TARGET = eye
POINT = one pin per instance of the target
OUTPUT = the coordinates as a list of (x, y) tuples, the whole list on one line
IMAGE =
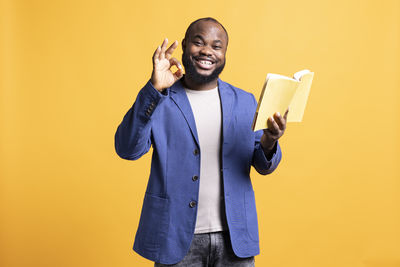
[(197, 43), (217, 47)]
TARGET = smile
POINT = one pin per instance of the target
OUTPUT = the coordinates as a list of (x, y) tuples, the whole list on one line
[(204, 63)]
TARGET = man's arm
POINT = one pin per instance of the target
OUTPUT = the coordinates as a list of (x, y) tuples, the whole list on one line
[(267, 152), (133, 136), (262, 162)]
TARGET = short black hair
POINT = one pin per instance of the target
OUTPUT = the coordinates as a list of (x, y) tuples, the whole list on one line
[(206, 19)]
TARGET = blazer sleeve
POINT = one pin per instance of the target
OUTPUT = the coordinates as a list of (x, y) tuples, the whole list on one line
[(260, 162), (133, 135)]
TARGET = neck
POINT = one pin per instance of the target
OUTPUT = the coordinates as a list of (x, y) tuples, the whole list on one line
[(200, 87)]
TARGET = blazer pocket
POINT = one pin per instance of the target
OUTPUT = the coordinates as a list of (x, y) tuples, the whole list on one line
[(153, 224), (251, 215)]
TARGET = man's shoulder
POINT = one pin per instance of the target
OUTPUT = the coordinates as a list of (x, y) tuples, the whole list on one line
[(236, 90)]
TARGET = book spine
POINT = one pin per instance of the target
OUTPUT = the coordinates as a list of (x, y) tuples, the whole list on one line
[(254, 121)]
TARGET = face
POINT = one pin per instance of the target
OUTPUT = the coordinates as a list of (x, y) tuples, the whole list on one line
[(204, 52)]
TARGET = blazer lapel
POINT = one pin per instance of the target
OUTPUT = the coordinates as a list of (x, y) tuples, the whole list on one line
[(180, 98), (227, 98)]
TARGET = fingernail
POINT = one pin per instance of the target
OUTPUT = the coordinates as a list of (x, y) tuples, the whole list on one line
[(278, 113), (272, 119)]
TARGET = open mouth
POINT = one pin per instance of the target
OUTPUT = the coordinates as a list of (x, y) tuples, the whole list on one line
[(204, 63)]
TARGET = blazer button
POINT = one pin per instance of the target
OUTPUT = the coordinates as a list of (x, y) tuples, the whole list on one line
[(195, 177), (196, 152), (192, 204)]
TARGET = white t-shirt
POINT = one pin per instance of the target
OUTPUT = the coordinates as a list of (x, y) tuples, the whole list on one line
[(206, 107)]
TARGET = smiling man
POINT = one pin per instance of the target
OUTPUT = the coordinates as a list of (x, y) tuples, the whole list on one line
[(199, 206)]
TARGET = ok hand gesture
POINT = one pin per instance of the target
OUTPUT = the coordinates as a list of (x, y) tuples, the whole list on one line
[(162, 76)]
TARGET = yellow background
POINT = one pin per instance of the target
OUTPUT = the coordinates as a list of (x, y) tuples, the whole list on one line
[(71, 69)]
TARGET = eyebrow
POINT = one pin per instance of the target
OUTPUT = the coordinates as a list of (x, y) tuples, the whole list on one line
[(200, 37)]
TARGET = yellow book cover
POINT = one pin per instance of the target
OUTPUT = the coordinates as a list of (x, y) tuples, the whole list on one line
[(281, 92)]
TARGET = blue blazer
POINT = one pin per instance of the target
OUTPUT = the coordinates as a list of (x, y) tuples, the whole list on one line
[(165, 121)]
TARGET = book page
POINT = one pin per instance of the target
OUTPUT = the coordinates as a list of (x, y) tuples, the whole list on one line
[(299, 102), (278, 76), (278, 94), (297, 76)]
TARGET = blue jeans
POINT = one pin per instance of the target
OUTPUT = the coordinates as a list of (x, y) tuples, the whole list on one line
[(211, 249)]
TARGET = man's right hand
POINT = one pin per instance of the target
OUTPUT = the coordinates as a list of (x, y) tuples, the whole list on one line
[(162, 76)]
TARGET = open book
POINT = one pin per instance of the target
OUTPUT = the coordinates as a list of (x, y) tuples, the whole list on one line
[(279, 93)]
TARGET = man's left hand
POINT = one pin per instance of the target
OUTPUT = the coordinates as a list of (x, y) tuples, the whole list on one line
[(276, 128)]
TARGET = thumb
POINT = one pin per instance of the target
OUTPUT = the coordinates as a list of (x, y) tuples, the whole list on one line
[(286, 114)]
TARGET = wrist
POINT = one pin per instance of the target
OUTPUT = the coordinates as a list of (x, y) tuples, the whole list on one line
[(155, 85), (268, 148), (267, 145)]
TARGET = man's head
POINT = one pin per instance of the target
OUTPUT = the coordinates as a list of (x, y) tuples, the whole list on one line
[(204, 48)]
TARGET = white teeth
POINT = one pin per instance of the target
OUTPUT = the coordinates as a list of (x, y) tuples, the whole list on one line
[(205, 62)]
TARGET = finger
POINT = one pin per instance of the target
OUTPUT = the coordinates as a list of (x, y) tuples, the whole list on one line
[(178, 74), (163, 48), (156, 54), (174, 61), (272, 126), (171, 49), (286, 114), (280, 121)]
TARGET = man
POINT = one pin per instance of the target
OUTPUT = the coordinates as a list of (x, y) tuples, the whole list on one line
[(199, 206)]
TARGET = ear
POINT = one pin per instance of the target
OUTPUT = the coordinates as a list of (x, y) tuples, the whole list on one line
[(184, 44)]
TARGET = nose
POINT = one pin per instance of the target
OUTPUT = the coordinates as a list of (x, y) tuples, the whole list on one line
[(205, 50)]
